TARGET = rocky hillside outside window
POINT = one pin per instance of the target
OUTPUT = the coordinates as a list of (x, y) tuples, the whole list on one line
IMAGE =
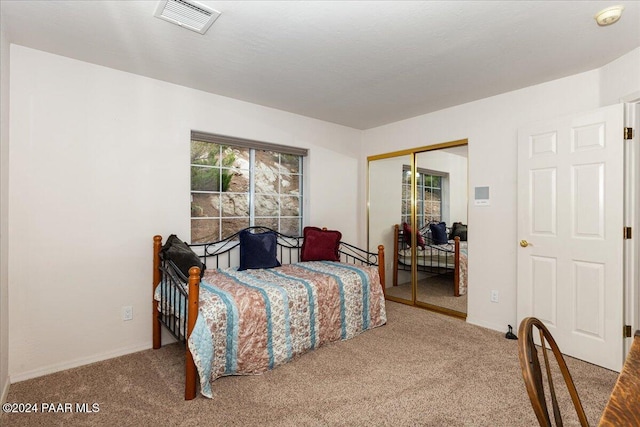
[(236, 186), (430, 192)]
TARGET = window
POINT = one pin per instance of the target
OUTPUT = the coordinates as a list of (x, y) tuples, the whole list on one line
[(430, 187), (236, 183)]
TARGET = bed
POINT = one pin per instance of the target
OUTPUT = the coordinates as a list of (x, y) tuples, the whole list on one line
[(242, 312), (445, 258)]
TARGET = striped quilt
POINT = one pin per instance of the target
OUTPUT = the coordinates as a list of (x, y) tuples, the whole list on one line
[(254, 320)]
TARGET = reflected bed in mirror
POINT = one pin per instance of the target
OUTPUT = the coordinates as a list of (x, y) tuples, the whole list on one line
[(427, 189), (441, 266)]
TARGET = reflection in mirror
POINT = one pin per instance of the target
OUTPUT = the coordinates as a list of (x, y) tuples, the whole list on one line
[(427, 268), (389, 195), (441, 204)]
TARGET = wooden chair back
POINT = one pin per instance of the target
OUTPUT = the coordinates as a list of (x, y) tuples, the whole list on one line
[(533, 373)]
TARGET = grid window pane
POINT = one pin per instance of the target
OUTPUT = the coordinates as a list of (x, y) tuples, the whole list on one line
[(266, 205), (205, 153), (290, 226), (205, 230), (238, 180), (291, 162), (266, 180), (429, 197), (205, 204), (289, 184), (406, 177), (406, 207), (222, 180), (267, 171), (233, 225), (235, 204), (406, 192), (205, 178), (289, 206)]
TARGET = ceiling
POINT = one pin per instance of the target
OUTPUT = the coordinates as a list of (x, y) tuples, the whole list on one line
[(360, 64)]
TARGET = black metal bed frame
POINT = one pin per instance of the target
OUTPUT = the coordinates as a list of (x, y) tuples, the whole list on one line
[(174, 284), (435, 265)]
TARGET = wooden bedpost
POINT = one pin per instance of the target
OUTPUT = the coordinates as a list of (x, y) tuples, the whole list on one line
[(157, 245), (381, 270), (456, 266), (192, 310)]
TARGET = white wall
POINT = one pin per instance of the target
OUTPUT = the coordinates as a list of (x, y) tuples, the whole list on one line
[(620, 79), (100, 163), (491, 127), (4, 221)]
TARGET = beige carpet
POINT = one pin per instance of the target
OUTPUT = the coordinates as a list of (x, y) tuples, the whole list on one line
[(421, 369), (436, 290)]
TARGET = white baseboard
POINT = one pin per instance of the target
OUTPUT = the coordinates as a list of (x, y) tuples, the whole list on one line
[(487, 325), (5, 390), (23, 376)]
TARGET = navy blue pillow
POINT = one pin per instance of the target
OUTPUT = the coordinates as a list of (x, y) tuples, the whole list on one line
[(258, 250), (439, 233)]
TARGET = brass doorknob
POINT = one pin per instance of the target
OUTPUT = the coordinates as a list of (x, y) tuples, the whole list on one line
[(524, 243)]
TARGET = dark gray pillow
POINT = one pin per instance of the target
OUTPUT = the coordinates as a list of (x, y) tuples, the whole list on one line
[(458, 229), (181, 255)]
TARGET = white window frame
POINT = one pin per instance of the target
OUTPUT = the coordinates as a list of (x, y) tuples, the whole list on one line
[(253, 146), (444, 195)]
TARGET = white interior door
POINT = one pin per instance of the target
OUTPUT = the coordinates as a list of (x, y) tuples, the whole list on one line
[(570, 222)]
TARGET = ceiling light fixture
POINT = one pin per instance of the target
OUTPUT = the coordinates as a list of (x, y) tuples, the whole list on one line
[(188, 14), (609, 16)]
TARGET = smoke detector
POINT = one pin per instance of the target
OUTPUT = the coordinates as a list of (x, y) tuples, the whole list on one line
[(188, 14), (609, 16)]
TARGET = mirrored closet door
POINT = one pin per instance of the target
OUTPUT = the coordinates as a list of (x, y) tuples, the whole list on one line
[(389, 196), (441, 181), (417, 208)]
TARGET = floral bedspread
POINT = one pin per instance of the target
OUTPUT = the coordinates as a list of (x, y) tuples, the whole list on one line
[(462, 284), (254, 320)]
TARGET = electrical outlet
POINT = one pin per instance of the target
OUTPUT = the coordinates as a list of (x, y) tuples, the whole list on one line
[(127, 312), (494, 296)]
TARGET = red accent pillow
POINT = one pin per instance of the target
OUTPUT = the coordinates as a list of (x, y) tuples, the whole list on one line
[(320, 245), (406, 232)]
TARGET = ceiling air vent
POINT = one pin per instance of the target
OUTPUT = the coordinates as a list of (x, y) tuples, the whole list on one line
[(188, 14)]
